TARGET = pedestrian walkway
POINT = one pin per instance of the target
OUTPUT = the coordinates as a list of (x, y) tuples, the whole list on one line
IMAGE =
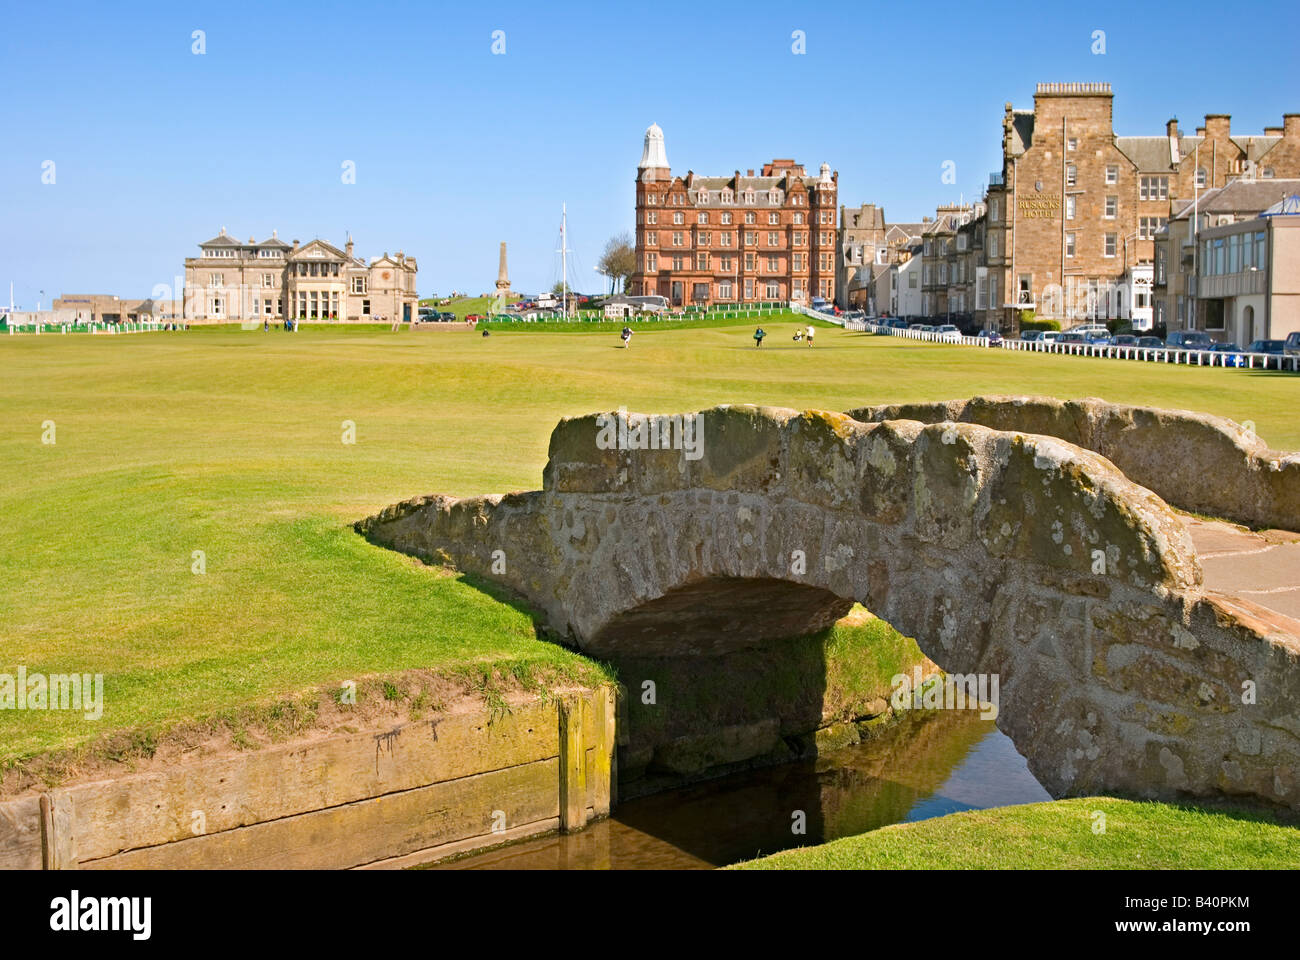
[(1259, 569)]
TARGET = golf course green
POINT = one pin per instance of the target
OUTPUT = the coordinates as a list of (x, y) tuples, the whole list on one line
[(188, 531)]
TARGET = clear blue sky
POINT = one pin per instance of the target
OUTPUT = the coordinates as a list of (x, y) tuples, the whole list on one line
[(457, 149)]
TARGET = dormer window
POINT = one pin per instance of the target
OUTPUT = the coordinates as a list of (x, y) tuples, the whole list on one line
[(774, 196), (726, 196), (702, 196), (749, 196)]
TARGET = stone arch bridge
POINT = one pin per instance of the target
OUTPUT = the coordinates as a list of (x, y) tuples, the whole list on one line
[(1006, 551)]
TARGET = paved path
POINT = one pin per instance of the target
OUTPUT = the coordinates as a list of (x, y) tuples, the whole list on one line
[(1259, 570)]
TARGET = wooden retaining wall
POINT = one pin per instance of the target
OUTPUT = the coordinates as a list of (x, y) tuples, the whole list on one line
[(417, 792)]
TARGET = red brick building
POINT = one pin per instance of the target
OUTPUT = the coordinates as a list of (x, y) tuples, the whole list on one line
[(737, 239)]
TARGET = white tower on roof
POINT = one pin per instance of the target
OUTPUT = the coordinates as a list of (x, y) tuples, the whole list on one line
[(653, 155)]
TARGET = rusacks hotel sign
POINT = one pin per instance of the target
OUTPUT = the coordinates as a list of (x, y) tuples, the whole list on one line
[(1044, 206)]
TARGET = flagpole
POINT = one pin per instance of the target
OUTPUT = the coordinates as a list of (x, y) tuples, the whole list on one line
[(1196, 245)]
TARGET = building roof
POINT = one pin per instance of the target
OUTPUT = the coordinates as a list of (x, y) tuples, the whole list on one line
[(1148, 153), (738, 185), (897, 231), (1288, 206), (1240, 196), (221, 240), (1255, 147)]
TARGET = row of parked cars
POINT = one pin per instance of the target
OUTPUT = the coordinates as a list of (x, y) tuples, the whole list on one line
[(1178, 340), (1099, 335), (430, 315)]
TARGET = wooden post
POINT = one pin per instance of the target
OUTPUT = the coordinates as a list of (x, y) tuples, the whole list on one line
[(603, 789), (573, 764), (58, 847)]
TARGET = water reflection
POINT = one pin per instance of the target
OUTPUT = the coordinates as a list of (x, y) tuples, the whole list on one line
[(926, 766)]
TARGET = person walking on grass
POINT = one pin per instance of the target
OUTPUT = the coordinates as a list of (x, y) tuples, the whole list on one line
[(627, 337), (810, 334), (759, 334)]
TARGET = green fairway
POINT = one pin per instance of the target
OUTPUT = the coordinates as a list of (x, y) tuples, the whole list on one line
[(464, 306), (230, 442), (1089, 833)]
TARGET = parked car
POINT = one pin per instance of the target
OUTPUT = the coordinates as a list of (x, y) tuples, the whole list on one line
[(1234, 356), (898, 323), (1151, 343), (1031, 335), (1125, 340), (992, 336), (1189, 340), (1291, 346), (1098, 339), (1273, 351), (1089, 329), (1071, 336), (1277, 347), (447, 316), (948, 333)]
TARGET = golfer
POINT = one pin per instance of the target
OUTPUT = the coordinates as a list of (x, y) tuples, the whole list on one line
[(627, 336), (759, 334), (810, 334)]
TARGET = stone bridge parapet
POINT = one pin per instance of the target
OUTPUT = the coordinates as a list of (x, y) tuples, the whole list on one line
[(1012, 553)]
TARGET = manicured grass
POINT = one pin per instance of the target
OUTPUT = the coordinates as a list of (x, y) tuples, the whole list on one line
[(229, 442), (1060, 836), (464, 306)]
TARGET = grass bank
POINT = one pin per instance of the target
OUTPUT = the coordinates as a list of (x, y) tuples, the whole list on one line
[(1062, 835)]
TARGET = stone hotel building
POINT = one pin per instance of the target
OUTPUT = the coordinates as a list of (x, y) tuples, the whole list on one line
[(231, 281), (733, 239), (1073, 215)]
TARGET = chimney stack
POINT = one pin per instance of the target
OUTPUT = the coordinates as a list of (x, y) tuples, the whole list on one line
[(1272, 131), (1171, 128), (1218, 125), (1291, 126)]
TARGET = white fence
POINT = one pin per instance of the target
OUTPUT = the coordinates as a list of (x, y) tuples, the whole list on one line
[(1183, 355), (105, 328)]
